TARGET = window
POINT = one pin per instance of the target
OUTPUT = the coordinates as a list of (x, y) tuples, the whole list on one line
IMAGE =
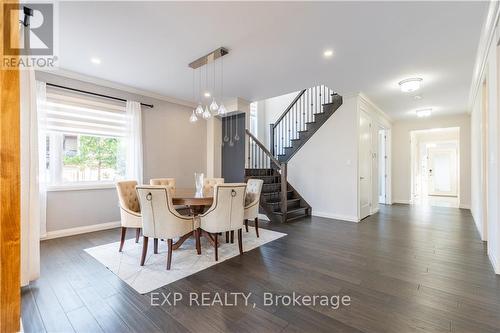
[(253, 118), (85, 139)]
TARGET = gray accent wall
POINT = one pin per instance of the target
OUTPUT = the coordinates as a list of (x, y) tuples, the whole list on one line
[(172, 146), (233, 158)]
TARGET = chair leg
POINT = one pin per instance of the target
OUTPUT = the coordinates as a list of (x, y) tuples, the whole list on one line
[(137, 234), (232, 236), (240, 240), (155, 246), (169, 255), (216, 240), (246, 225), (122, 239), (144, 250), (257, 226), (227, 236), (198, 240)]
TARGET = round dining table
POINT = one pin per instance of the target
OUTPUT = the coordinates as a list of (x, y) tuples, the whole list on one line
[(197, 202)]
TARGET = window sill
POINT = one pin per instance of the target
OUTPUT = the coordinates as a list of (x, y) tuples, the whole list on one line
[(80, 187)]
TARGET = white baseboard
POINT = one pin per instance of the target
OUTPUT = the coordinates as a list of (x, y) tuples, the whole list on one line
[(80, 230), (494, 263), (336, 216), (464, 206), (264, 217)]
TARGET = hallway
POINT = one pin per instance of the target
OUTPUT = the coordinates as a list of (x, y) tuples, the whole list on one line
[(406, 269)]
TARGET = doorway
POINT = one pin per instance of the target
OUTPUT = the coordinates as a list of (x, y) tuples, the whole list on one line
[(435, 167), (365, 165)]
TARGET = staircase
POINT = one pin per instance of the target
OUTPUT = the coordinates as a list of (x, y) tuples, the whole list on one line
[(308, 111), (304, 116)]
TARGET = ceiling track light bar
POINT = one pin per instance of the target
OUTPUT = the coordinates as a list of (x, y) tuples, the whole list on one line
[(212, 56)]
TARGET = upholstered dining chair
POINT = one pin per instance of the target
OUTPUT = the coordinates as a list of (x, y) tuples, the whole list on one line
[(225, 214), (163, 181), (252, 199), (160, 220), (130, 212), (209, 183)]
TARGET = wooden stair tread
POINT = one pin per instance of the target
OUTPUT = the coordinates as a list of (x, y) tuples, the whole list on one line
[(293, 210)]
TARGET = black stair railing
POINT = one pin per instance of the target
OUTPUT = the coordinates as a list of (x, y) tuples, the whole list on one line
[(259, 157), (308, 103)]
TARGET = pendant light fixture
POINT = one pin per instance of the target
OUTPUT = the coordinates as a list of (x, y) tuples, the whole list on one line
[(231, 143), (236, 136), (222, 109), (193, 117), (206, 111)]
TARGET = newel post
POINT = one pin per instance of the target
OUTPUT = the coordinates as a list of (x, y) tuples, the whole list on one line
[(284, 189)]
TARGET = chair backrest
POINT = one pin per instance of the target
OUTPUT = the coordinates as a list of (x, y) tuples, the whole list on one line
[(209, 183), (254, 187), (226, 212), (127, 195), (163, 181), (159, 217)]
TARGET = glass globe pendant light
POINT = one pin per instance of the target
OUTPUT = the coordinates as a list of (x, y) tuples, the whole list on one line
[(193, 117), (206, 113), (199, 109), (213, 105), (222, 110)]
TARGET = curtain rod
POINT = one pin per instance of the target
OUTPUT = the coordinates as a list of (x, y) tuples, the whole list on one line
[(95, 94)]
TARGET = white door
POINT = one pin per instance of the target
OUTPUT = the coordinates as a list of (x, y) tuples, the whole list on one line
[(365, 165), (443, 171)]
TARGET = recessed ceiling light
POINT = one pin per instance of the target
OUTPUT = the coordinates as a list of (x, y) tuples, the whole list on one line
[(206, 94), (328, 53), (410, 85), (95, 60), (423, 112)]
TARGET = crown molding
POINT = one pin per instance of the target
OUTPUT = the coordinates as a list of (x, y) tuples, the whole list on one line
[(488, 33), (118, 86)]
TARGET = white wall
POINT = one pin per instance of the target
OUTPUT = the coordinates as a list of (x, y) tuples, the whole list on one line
[(270, 109), (324, 170), (173, 147), (488, 228), (401, 154)]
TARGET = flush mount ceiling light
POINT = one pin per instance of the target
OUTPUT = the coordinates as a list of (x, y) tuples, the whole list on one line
[(410, 85), (423, 113), (328, 53), (95, 60)]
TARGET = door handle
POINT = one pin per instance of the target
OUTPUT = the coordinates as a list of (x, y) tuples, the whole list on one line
[(361, 178)]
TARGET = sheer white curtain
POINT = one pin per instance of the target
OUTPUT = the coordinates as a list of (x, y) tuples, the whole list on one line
[(33, 194), (134, 141)]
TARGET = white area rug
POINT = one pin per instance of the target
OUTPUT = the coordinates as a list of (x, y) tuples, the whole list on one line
[(185, 261)]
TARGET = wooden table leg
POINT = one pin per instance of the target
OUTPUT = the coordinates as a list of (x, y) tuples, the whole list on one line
[(181, 240)]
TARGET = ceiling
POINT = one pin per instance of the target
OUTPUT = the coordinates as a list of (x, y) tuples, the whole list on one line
[(277, 47)]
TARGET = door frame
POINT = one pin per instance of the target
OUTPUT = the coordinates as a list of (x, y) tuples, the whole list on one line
[(366, 115)]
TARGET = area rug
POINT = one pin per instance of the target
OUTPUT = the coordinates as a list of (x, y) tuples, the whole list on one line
[(185, 261)]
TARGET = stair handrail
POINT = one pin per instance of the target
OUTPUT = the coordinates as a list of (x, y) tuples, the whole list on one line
[(282, 168), (264, 149), (288, 108)]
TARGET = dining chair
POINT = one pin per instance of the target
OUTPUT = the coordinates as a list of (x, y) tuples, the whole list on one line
[(163, 181), (130, 212), (160, 220), (252, 199), (225, 213), (209, 183)]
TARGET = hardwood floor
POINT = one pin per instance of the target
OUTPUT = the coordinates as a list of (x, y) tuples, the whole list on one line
[(406, 269)]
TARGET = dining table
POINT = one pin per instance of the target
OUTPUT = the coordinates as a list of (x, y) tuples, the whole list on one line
[(197, 202)]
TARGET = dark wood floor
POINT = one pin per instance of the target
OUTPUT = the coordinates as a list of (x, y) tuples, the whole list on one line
[(407, 269)]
